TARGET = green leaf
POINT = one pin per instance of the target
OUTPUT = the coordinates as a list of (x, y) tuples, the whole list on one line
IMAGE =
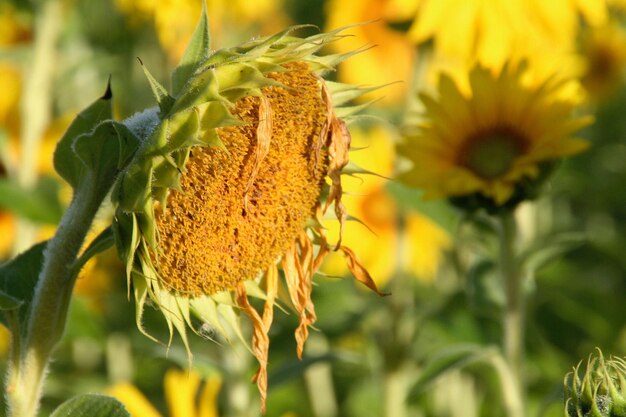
[(437, 210), (448, 359), (8, 303), (91, 405), (295, 368), (484, 290), (550, 249), (196, 53), (41, 205), (18, 277), (102, 242), (104, 152), (66, 162)]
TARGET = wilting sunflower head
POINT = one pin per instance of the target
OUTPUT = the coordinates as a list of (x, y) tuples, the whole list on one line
[(236, 170), (491, 147), (597, 391)]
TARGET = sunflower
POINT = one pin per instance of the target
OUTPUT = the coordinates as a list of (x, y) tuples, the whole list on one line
[(174, 19), (603, 52), (183, 394), (15, 26), (489, 31), (234, 176), (494, 144), (390, 45)]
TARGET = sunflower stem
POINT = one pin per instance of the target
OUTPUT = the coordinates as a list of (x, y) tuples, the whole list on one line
[(48, 312), (513, 318)]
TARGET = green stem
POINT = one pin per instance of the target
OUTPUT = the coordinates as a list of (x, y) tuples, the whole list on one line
[(509, 385), (513, 320), (36, 104), (397, 386), (48, 312)]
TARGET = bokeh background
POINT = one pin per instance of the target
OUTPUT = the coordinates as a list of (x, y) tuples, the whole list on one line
[(371, 356)]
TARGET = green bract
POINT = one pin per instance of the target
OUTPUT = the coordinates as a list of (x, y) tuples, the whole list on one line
[(600, 391)]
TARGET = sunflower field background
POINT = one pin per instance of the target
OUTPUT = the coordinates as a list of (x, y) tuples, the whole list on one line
[(435, 345)]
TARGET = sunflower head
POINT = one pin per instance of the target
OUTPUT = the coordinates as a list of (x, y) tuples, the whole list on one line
[(492, 147), (603, 50), (225, 197), (601, 389)]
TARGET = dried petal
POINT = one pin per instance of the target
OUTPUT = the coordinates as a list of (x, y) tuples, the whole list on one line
[(260, 341), (359, 271)]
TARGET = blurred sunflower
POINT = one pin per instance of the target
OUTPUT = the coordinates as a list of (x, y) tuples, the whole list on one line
[(186, 395), (488, 31), (174, 20), (15, 26), (101, 273), (11, 31), (603, 53), (10, 86), (491, 143), (232, 181), (390, 45), (398, 241)]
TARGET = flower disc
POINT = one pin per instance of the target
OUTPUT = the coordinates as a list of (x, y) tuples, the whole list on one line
[(239, 208)]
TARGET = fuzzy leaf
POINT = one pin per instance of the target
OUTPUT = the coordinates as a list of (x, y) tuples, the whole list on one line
[(95, 148), (104, 152), (66, 162), (18, 277), (91, 405), (40, 205), (197, 52)]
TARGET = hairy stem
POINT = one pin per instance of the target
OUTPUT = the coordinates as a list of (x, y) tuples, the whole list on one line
[(48, 312)]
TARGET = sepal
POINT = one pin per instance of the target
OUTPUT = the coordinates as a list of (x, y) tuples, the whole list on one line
[(197, 52)]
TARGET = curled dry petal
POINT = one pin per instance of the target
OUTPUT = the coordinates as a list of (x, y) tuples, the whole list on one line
[(338, 141), (299, 286), (260, 341), (359, 271)]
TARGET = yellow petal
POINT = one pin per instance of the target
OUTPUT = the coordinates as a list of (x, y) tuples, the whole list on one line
[(134, 401), (424, 246), (208, 398), (181, 388)]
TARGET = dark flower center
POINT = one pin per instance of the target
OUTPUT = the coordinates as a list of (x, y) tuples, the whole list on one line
[(491, 154)]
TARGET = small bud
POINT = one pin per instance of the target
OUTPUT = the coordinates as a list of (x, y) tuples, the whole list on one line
[(600, 391)]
